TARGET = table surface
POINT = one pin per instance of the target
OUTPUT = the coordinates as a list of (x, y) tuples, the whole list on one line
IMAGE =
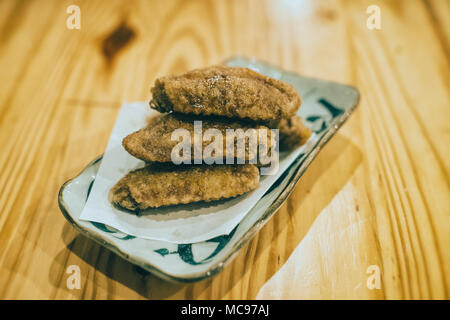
[(370, 219)]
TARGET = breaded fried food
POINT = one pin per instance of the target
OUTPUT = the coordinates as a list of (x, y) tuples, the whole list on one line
[(154, 144), (292, 133), (226, 91), (166, 184)]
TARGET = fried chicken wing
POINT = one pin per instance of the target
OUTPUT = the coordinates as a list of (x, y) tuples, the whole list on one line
[(154, 143), (226, 91), (292, 133), (166, 184)]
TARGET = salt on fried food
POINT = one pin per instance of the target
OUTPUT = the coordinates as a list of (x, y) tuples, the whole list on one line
[(232, 92)]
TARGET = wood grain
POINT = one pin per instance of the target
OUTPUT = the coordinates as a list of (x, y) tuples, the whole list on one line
[(378, 194)]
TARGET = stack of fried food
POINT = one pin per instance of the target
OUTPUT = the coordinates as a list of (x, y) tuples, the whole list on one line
[(222, 98)]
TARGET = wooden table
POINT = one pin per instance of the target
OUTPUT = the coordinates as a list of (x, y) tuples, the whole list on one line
[(377, 198)]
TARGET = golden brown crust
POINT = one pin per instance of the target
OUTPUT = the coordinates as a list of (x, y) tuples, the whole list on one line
[(154, 144), (226, 91), (166, 184), (292, 133)]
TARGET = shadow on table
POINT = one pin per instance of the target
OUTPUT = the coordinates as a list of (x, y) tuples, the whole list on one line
[(250, 269), (260, 259)]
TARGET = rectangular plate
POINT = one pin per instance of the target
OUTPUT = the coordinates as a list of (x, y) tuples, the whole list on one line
[(325, 107)]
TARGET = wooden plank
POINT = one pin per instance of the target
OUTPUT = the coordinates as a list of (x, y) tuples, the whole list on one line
[(378, 194)]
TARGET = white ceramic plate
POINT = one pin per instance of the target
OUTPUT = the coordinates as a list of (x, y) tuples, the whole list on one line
[(325, 107)]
